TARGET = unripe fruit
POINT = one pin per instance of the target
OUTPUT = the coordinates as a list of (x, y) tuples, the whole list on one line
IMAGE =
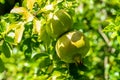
[(60, 22), (72, 47)]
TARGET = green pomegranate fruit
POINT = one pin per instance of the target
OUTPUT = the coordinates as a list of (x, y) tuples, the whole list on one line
[(60, 22), (72, 47)]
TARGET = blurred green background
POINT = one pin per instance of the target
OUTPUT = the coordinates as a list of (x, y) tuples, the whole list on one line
[(27, 52)]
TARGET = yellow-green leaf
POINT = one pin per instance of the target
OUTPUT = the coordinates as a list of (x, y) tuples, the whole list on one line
[(26, 14), (114, 34), (19, 33), (29, 4), (36, 26), (11, 27), (118, 39)]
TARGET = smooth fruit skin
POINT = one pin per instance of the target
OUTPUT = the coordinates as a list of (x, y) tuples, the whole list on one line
[(72, 47), (60, 23)]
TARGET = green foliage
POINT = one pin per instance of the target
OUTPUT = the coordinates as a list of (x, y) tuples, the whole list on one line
[(2, 67), (6, 49), (27, 52)]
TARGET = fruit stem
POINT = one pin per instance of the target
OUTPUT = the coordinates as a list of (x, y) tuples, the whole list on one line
[(77, 60)]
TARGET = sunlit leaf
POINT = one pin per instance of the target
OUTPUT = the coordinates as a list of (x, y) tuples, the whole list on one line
[(42, 33), (118, 39), (18, 28), (117, 20), (19, 10), (29, 4), (109, 28), (50, 68), (36, 26), (114, 34), (19, 33), (48, 7), (6, 49), (11, 27), (56, 74), (44, 62), (26, 14)]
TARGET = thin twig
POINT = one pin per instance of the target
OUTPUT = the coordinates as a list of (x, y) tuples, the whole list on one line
[(106, 39), (105, 68), (104, 36)]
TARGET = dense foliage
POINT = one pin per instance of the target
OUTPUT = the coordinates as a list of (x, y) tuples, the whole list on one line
[(27, 51)]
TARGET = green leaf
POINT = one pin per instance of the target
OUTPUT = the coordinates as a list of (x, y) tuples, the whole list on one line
[(118, 39), (44, 62), (43, 36), (43, 59), (38, 56), (27, 48), (10, 37), (6, 49), (2, 67), (114, 34), (86, 62)]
